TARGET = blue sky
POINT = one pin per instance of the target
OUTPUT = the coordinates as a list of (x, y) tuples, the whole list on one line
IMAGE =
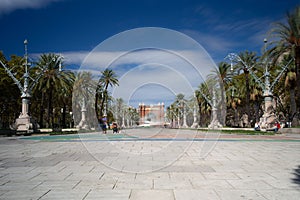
[(75, 27)]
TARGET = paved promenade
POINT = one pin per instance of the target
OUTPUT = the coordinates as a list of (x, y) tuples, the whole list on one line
[(150, 164)]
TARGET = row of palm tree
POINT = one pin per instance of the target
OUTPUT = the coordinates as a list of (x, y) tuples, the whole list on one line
[(243, 94), (52, 103)]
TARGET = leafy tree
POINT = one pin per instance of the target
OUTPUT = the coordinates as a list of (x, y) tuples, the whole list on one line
[(223, 75), (250, 59), (53, 81), (10, 100), (287, 41), (108, 78), (83, 92), (203, 105)]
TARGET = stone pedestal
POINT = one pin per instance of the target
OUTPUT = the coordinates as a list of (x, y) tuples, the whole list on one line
[(195, 124), (83, 124), (215, 124), (269, 118), (24, 124), (184, 119)]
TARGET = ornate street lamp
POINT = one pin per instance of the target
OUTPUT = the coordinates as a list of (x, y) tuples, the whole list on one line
[(184, 125), (214, 123), (195, 124), (269, 118), (24, 123)]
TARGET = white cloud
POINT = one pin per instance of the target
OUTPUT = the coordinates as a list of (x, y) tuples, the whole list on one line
[(7, 6), (152, 83), (147, 57), (171, 72), (197, 62)]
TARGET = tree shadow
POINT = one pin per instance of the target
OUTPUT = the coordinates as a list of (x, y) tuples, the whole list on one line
[(296, 172)]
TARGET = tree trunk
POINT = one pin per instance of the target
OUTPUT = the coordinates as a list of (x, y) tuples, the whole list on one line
[(256, 108), (293, 107), (247, 94), (103, 100), (50, 110), (42, 111), (223, 107), (297, 64), (199, 110), (64, 116), (96, 106)]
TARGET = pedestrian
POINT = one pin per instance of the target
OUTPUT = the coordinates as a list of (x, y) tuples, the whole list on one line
[(115, 127), (256, 126), (277, 126), (104, 124)]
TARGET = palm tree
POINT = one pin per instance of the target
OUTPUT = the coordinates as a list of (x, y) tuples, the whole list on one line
[(249, 60), (203, 105), (83, 91), (54, 79), (290, 83), (223, 75), (118, 111), (64, 98), (108, 78), (287, 41)]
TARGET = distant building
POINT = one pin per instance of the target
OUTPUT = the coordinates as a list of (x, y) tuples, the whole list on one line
[(152, 114)]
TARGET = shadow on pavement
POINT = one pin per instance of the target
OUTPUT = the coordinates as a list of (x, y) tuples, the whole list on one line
[(297, 175)]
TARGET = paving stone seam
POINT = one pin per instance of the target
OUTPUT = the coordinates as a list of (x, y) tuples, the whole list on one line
[(44, 194), (230, 184), (37, 185), (76, 184), (101, 176), (92, 169), (130, 194), (64, 167), (35, 176), (261, 194), (5, 183), (173, 193), (68, 176), (217, 194), (86, 194)]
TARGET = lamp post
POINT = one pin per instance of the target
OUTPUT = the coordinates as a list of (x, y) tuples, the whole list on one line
[(214, 123), (184, 125), (71, 119), (83, 122), (195, 124), (269, 118), (24, 123), (123, 117)]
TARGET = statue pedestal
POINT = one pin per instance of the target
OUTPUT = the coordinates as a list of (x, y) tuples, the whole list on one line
[(83, 123), (184, 126), (214, 124), (269, 118), (194, 125), (25, 124)]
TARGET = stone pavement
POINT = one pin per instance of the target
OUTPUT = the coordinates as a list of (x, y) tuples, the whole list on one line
[(131, 167)]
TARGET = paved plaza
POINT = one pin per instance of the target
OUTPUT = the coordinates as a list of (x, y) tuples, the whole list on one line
[(150, 164)]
